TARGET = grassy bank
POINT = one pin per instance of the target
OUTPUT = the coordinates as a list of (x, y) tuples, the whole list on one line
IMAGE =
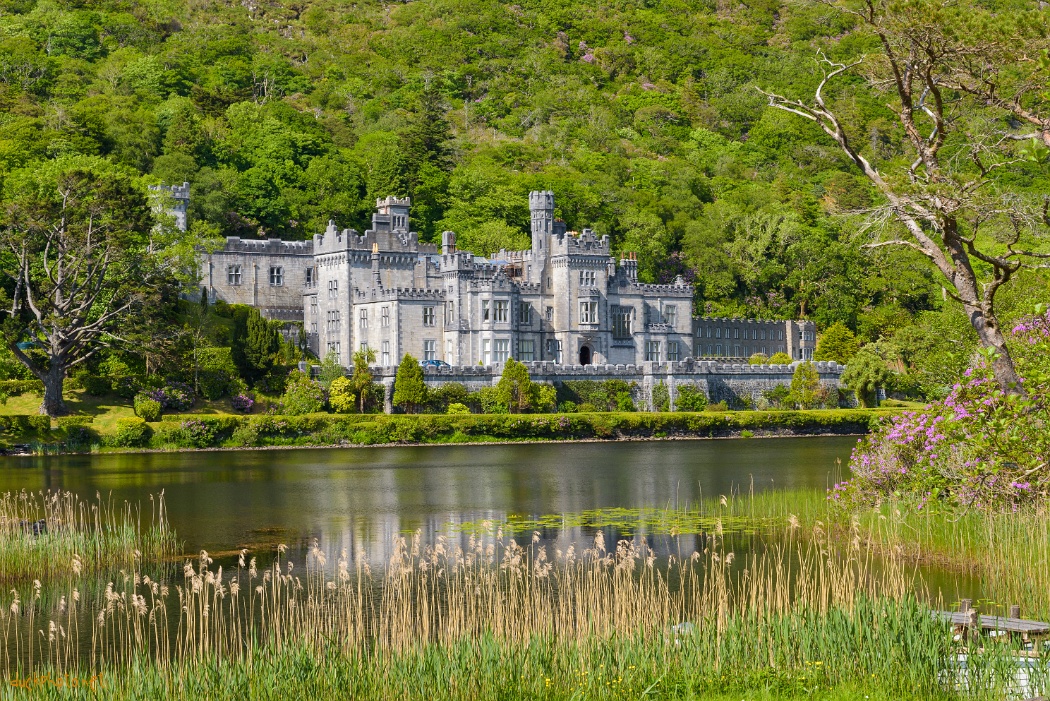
[(81, 433)]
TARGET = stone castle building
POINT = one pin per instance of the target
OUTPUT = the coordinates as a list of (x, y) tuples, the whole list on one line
[(567, 301)]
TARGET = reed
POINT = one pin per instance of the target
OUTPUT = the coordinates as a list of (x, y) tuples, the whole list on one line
[(498, 619), (49, 534)]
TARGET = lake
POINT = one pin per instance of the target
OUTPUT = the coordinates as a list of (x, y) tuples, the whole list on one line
[(362, 497)]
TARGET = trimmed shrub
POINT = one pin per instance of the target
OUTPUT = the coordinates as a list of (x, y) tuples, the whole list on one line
[(780, 358), (568, 407), (718, 406), (147, 408), (602, 396), (132, 432), (95, 385), (457, 409), (15, 388)]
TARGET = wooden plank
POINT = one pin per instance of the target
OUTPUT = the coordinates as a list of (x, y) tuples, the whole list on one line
[(1003, 623)]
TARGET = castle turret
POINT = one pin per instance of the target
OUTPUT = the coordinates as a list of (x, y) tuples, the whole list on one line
[(375, 265), (179, 204), (541, 206), (392, 212)]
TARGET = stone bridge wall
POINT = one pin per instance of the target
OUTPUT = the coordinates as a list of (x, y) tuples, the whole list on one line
[(733, 383)]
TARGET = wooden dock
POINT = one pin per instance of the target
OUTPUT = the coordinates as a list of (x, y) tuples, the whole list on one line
[(967, 621)]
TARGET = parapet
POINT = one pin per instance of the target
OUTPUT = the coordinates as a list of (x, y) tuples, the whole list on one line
[(235, 244)]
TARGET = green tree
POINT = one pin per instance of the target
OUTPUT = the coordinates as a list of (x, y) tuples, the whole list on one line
[(331, 370), (836, 343), (780, 359), (256, 342), (410, 391), (361, 379), (341, 395), (74, 241), (805, 386), (865, 373), (515, 389)]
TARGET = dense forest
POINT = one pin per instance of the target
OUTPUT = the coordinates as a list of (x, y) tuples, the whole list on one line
[(643, 117)]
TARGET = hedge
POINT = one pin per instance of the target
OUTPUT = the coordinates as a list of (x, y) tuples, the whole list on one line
[(202, 430), (14, 388)]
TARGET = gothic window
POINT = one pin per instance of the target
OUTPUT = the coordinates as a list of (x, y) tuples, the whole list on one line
[(672, 351), (386, 354), (450, 312), (718, 349), (736, 333), (652, 351), (718, 333), (430, 351), (333, 289), (233, 275), (526, 351), (780, 335), (502, 352), (524, 313), (484, 310), (621, 321), (550, 313), (276, 276), (429, 318), (501, 310), (588, 312), (384, 317), (364, 320)]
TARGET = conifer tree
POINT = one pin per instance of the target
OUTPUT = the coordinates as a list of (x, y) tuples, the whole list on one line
[(837, 343), (805, 386), (515, 389), (410, 391), (256, 341)]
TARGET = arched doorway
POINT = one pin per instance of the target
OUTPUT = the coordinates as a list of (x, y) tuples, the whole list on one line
[(585, 355)]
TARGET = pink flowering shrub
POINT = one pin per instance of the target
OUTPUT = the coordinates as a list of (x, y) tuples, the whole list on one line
[(978, 447)]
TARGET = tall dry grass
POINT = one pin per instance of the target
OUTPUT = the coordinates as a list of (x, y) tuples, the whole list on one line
[(54, 533)]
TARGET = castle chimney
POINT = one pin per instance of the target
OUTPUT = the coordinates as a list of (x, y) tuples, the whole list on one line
[(375, 265), (448, 242)]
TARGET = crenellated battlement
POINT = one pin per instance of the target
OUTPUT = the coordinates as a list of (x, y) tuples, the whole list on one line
[(235, 244)]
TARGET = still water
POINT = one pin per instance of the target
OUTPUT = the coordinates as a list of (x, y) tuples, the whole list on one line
[(363, 497)]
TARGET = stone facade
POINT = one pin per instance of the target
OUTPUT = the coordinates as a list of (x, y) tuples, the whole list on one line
[(565, 302), (177, 202)]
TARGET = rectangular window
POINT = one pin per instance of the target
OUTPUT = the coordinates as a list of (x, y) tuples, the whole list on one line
[(621, 321), (526, 351), (736, 351), (670, 314), (313, 327), (780, 335), (486, 351), (309, 277), (764, 352), (502, 350), (718, 333), (672, 351), (450, 312), (502, 310), (448, 350), (524, 313), (554, 350), (429, 318), (710, 349), (430, 350), (384, 317), (333, 289), (276, 276), (736, 333), (364, 320), (718, 349), (233, 275), (550, 313), (386, 354), (588, 278), (333, 347), (763, 334), (652, 351), (332, 322), (484, 310), (313, 307), (364, 346), (588, 312)]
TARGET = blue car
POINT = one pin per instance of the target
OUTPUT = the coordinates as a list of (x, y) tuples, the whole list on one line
[(434, 364)]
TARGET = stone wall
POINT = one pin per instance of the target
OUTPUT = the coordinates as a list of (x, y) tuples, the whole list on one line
[(735, 384)]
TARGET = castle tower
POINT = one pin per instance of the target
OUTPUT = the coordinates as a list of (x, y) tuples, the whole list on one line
[(178, 205), (541, 206), (396, 208)]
